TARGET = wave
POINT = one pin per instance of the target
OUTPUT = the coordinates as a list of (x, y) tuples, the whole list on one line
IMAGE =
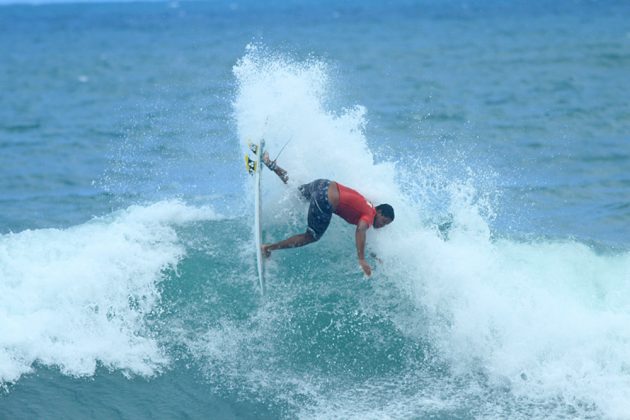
[(543, 319), (78, 297), (457, 320)]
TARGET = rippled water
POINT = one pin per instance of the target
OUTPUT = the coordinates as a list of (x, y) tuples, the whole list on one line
[(127, 280)]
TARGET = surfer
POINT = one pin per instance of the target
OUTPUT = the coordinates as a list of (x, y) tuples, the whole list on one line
[(327, 197)]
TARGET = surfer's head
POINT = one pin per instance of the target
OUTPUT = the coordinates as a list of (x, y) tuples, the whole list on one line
[(384, 215)]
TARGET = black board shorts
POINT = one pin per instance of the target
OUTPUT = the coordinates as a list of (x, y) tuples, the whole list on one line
[(320, 210)]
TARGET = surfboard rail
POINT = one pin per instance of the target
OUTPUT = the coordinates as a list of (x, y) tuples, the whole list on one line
[(254, 168)]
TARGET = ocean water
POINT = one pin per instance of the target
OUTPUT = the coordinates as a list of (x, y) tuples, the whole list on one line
[(498, 131)]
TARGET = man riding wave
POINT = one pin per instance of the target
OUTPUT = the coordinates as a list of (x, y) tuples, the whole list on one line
[(326, 198)]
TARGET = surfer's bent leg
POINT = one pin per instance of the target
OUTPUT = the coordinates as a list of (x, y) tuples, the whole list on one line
[(319, 215), (294, 241)]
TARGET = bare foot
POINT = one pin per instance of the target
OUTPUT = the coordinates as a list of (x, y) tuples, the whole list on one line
[(265, 158), (265, 250)]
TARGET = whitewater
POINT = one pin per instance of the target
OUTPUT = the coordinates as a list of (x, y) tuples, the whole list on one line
[(540, 318)]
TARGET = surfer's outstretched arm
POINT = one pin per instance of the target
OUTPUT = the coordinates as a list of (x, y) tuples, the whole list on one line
[(271, 164), (362, 227)]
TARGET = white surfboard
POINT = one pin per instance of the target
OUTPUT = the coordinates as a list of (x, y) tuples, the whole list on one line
[(254, 167)]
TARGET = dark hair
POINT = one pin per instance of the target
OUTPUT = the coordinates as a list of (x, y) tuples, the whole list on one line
[(386, 210)]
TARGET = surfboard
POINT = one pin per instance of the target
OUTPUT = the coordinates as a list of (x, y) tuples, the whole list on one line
[(254, 168)]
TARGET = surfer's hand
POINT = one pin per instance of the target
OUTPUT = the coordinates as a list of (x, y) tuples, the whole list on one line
[(366, 267), (265, 250)]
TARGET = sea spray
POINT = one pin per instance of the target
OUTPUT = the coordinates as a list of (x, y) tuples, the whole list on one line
[(282, 100), (538, 318)]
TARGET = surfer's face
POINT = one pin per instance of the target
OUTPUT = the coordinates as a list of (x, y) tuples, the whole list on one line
[(380, 220)]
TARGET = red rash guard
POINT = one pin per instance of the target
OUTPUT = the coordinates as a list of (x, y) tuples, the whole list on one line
[(353, 206)]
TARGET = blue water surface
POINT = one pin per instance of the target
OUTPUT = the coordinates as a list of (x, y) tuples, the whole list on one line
[(109, 105)]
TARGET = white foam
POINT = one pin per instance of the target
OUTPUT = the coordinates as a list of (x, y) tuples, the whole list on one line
[(546, 319), (282, 100), (75, 298)]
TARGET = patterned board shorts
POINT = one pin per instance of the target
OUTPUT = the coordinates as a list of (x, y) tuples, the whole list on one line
[(320, 210)]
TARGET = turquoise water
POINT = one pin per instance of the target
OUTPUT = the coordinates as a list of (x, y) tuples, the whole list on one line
[(127, 272)]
